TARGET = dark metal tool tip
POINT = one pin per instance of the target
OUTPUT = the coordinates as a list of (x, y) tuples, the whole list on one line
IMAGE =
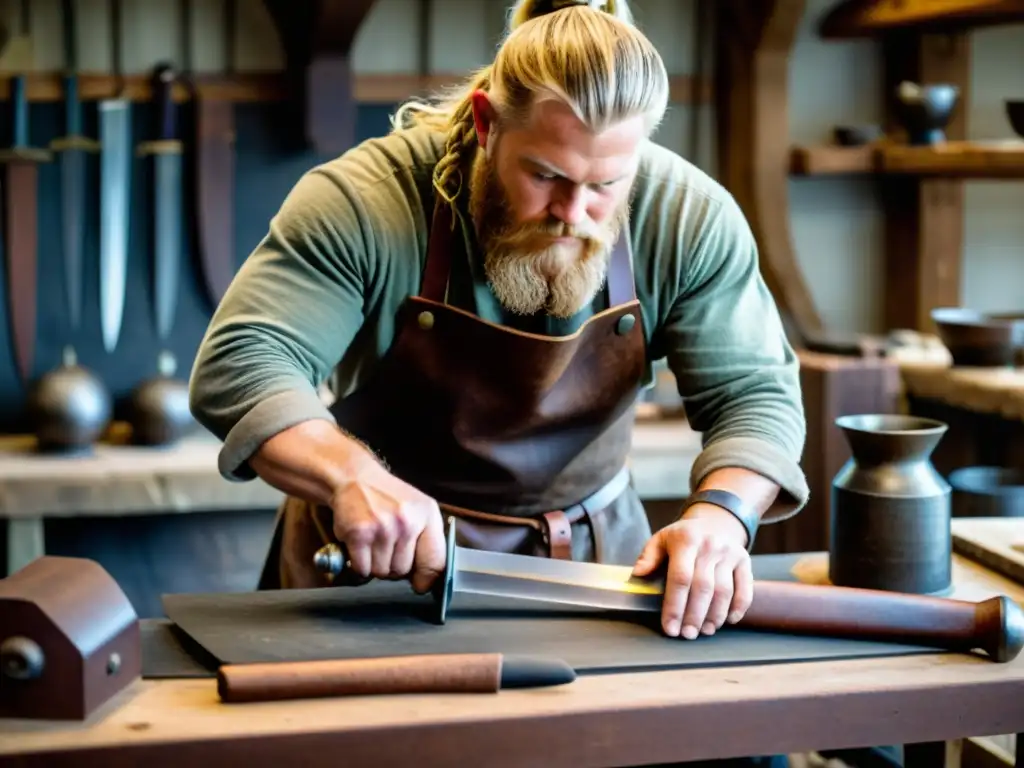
[(533, 672)]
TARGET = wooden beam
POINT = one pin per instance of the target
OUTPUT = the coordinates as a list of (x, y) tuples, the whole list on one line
[(924, 227), (317, 37), (753, 44), (860, 18), (273, 87)]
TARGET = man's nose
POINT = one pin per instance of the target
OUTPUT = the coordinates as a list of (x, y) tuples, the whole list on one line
[(571, 208)]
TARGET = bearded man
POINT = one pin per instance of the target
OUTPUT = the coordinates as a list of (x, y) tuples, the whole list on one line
[(489, 285)]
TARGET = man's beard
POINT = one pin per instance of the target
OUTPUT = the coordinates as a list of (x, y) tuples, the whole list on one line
[(528, 271)]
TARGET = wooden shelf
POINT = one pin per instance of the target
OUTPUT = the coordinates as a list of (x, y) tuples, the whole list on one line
[(273, 86), (862, 18), (962, 160), (828, 160), (955, 160)]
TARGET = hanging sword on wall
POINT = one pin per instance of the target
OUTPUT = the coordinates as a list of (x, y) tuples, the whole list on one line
[(73, 147), (115, 118), (166, 150), (21, 204)]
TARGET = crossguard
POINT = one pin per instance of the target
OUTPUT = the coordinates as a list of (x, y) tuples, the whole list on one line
[(333, 561)]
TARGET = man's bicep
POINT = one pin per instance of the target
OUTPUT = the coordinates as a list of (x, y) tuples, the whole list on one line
[(289, 315)]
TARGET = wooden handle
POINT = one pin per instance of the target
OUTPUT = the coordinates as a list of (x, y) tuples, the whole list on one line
[(440, 673), (995, 626)]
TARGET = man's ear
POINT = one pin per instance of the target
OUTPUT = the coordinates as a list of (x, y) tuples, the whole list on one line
[(484, 116)]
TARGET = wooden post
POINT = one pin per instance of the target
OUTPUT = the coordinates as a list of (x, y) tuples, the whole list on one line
[(753, 45), (924, 226)]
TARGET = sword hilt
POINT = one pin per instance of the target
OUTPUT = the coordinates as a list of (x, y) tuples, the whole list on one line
[(163, 96), (332, 560)]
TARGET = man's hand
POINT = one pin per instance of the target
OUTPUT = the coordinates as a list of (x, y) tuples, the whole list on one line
[(391, 529), (709, 579)]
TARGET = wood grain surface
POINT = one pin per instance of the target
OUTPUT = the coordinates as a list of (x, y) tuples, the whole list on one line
[(615, 719), (996, 543)]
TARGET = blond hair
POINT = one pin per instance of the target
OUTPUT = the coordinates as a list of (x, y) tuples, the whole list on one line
[(586, 53)]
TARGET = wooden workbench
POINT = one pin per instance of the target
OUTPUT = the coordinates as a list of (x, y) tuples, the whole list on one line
[(117, 480), (984, 408), (601, 720)]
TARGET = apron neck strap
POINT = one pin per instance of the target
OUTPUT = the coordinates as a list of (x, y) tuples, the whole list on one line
[(439, 260), (439, 254)]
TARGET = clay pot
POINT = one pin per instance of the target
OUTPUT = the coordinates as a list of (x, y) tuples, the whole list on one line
[(158, 408), (891, 508), (925, 111), (69, 407)]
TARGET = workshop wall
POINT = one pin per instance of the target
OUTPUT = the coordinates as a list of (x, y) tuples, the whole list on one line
[(836, 222)]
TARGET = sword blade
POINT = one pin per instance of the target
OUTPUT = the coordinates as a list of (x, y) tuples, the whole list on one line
[(167, 268), (565, 582), (22, 181), (115, 187), (72, 171)]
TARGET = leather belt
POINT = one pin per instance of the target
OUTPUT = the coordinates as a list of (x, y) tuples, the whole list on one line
[(556, 526)]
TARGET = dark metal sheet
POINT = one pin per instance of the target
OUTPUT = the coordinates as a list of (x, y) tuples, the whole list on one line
[(386, 618)]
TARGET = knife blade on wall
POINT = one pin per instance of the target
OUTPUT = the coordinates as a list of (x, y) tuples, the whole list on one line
[(21, 208), (165, 148), (115, 129)]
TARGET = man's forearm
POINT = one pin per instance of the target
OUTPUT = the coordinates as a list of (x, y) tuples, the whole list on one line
[(755, 489), (310, 460)]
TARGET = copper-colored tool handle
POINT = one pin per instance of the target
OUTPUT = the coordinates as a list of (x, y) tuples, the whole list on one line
[(441, 673), (995, 625)]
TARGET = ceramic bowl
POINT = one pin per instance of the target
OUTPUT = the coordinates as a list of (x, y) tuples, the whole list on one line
[(987, 492), (980, 339), (925, 111)]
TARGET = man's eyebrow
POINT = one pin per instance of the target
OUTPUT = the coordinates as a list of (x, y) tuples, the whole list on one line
[(559, 172)]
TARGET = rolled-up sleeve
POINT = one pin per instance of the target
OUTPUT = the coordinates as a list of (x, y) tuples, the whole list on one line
[(736, 371), (287, 318)]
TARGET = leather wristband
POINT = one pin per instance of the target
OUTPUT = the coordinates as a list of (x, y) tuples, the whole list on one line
[(732, 504)]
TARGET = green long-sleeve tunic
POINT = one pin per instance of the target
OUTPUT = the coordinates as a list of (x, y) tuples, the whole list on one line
[(320, 293)]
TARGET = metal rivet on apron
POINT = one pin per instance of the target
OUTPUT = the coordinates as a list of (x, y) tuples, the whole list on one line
[(625, 324), (426, 320)]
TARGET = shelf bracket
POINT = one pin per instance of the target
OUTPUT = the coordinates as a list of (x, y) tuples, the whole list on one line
[(317, 37), (753, 43)]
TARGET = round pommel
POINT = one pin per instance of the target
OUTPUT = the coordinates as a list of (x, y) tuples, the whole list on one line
[(21, 658), (1011, 635), (330, 559)]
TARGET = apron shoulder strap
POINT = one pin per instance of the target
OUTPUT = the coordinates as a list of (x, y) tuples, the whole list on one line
[(439, 254)]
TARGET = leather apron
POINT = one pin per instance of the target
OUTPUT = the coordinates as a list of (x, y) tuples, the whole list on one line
[(524, 438)]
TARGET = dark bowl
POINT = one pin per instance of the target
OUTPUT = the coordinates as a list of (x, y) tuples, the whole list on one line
[(987, 492), (926, 114), (1015, 112), (979, 339), (856, 135)]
